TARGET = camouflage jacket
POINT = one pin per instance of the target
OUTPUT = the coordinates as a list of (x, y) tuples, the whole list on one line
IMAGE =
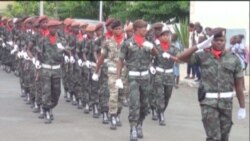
[(217, 75)]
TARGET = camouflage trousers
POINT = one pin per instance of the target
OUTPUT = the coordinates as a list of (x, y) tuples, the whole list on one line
[(75, 84), (93, 90), (38, 85), (103, 90), (51, 89), (138, 99), (217, 118), (28, 75), (152, 97), (33, 84), (65, 77), (85, 85), (113, 92)]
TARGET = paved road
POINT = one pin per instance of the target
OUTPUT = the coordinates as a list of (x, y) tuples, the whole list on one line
[(18, 123)]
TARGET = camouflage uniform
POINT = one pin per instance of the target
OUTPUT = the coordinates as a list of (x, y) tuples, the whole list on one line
[(164, 80), (137, 61), (51, 59), (217, 77)]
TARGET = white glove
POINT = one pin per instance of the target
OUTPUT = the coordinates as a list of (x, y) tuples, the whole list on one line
[(25, 56), (10, 43), (157, 42), (166, 55), (19, 54), (60, 46), (119, 84), (205, 44), (148, 45), (152, 70), (37, 65), (88, 64), (34, 60), (242, 113), (80, 63), (95, 77), (66, 59), (72, 60), (4, 45)]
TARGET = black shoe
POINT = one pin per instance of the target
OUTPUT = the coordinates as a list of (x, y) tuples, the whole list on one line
[(125, 102), (113, 122), (133, 134), (162, 119), (95, 111), (68, 98), (154, 115), (105, 119), (139, 131), (79, 105), (47, 118), (22, 93), (74, 101), (36, 108), (118, 121), (51, 115), (41, 114), (86, 109)]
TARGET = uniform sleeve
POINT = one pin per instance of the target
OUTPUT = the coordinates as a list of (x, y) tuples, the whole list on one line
[(195, 59), (238, 73), (123, 51)]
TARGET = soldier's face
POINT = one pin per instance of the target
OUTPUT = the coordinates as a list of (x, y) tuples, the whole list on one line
[(165, 37), (117, 30), (52, 30), (219, 43), (142, 31)]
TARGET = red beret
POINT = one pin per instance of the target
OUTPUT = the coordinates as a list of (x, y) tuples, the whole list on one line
[(68, 21), (83, 24), (41, 18), (75, 23), (109, 21), (158, 25), (53, 23), (90, 28), (99, 26), (30, 19)]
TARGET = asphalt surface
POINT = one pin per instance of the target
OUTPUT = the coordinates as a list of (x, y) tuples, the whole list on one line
[(183, 120)]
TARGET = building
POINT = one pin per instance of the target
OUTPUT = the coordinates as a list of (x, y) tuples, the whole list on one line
[(233, 15)]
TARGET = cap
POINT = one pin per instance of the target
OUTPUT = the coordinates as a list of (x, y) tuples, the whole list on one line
[(139, 24), (158, 25), (98, 26), (75, 24), (109, 21), (90, 28), (83, 24), (53, 23), (165, 29), (218, 32)]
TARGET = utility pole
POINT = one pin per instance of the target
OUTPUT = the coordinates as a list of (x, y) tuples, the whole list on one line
[(100, 11), (41, 8)]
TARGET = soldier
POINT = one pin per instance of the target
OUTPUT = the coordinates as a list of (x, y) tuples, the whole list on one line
[(103, 80), (163, 70), (51, 51), (221, 72), (137, 54), (90, 58), (110, 51)]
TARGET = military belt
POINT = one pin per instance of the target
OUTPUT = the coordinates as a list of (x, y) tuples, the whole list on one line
[(112, 69), (138, 73), (220, 95), (163, 70), (53, 67)]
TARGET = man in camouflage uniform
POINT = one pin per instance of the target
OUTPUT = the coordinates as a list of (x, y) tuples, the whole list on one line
[(51, 51), (163, 70), (110, 51), (221, 72), (137, 54)]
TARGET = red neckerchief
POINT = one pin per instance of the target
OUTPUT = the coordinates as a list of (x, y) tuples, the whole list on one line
[(139, 40), (109, 34), (52, 39), (79, 36), (164, 45), (1, 24), (216, 53), (44, 32), (119, 39), (9, 28)]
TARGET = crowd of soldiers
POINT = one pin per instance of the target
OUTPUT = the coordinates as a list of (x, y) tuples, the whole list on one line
[(101, 72)]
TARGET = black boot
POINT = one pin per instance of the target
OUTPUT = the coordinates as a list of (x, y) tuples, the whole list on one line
[(28, 101), (139, 131), (113, 122), (154, 115), (74, 101), (22, 93), (51, 114), (95, 111), (118, 121), (47, 118), (105, 118), (86, 109), (68, 98), (133, 134), (36, 108), (161, 119), (79, 104)]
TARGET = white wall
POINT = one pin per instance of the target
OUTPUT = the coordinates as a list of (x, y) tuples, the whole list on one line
[(228, 14)]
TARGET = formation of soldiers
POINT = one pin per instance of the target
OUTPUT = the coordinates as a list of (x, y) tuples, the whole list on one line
[(128, 65)]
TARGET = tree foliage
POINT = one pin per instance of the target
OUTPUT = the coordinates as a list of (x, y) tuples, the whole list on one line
[(151, 11)]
